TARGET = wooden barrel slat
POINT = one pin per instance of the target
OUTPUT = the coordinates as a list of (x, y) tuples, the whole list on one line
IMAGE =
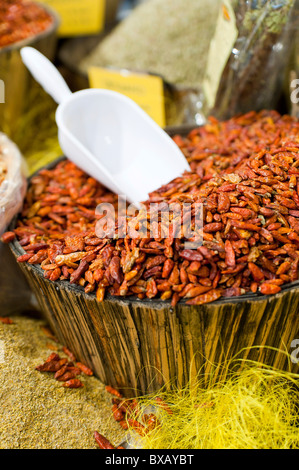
[(139, 346)]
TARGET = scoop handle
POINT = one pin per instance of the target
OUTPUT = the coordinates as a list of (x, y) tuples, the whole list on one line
[(46, 74)]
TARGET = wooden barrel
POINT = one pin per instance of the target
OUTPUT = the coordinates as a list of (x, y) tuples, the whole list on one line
[(12, 280), (20, 87), (140, 346)]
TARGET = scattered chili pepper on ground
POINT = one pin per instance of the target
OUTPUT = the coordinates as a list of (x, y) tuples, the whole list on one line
[(73, 383), (64, 370), (6, 320), (86, 370), (112, 390), (53, 357), (128, 413), (49, 333), (102, 442), (51, 366), (69, 353)]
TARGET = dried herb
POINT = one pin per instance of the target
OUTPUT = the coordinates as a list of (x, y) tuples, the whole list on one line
[(167, 37)]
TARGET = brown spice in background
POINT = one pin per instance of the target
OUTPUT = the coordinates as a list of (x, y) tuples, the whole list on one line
[(37, 412)]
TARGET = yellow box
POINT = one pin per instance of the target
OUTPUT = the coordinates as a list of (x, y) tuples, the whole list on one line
[(146, 90), (79, 18)]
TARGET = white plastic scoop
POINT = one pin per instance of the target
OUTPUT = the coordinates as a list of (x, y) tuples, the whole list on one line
[(108, 135)]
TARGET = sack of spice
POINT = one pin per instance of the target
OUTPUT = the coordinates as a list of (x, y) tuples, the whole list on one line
[(15, 295), (168, 38)]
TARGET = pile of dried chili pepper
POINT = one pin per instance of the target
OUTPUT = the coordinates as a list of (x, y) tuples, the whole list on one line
[(245, 174), (21, 19)]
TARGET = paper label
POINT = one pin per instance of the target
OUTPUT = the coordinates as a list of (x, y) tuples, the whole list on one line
[(146, 90), (79, 17), (221, 46)]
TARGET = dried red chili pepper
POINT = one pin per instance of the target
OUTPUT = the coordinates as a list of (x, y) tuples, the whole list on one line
[(137, 426), (69, 353), (53, 357), (24, 258), (117, 413), (102, 441), (73, 383), (112, 391), (6, 320), (164, 405), (67, 375), (269, 289), (60, 372), (124, 425), (51, 366), (8, 237), (86, 370)]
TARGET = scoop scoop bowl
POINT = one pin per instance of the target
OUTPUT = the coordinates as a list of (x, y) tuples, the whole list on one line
[(108, 135)]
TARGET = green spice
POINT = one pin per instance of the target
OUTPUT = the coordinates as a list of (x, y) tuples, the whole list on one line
[(36, 411), (170, 38)]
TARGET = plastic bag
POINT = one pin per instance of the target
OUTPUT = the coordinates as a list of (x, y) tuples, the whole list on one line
[(12, 181), (15, 295), (253, 76)]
